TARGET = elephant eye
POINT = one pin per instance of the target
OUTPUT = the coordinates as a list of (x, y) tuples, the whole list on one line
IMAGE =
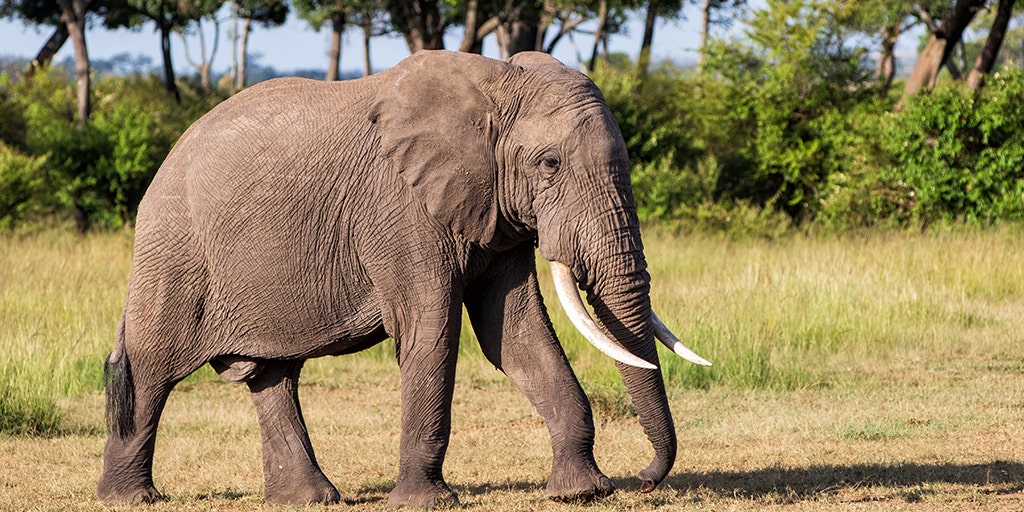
[(552, 163)]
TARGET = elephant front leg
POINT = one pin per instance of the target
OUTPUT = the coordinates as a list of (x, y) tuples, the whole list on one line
[(290, 471), (508, 316), (427, 349)]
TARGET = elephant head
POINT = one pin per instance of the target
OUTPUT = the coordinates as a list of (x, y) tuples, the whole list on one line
[(530, 150)]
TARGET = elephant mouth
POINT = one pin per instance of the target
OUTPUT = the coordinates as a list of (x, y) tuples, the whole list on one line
[(569, 297)]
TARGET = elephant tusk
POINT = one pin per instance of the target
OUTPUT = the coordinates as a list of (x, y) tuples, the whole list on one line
[(569, 297), (672, 342)]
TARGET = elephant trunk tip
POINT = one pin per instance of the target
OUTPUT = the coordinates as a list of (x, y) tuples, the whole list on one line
[(647, 486)]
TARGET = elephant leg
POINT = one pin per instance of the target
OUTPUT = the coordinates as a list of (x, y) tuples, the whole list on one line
[(128, 459), (139, 381), (427, 351), (515, 333), (291, 474)]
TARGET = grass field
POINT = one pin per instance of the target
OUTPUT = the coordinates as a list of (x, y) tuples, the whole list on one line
[(864, 372)]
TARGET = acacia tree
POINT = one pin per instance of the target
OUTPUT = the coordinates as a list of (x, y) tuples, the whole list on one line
[(71, 15), (655, 9), (371, 17), (167, 16), (709, 10), (944, 37), (987, 59)]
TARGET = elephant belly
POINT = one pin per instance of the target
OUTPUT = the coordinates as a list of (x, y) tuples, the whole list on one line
[(288, 317)]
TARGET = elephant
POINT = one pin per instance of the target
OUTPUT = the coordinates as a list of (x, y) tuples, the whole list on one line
[(302, 218)]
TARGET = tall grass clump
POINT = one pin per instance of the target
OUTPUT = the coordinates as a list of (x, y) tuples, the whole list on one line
[(60, 299), (809, 312)]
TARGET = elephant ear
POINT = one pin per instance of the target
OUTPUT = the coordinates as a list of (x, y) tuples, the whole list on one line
[(438, 129)]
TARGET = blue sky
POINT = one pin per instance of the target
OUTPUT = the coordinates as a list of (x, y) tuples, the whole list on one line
[(296, 46)]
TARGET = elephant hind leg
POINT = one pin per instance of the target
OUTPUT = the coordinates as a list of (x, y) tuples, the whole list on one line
[(290, 471), (139, 386)]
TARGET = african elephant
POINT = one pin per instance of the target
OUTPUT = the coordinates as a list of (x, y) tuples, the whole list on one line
[(302, 218)]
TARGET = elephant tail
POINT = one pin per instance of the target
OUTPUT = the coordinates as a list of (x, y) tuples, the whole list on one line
[(120, 390)]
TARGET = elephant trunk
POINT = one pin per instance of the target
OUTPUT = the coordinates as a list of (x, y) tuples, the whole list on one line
[(622, 305)]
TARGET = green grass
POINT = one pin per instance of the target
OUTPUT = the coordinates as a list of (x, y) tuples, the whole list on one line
[(869, 371), (793, 313)]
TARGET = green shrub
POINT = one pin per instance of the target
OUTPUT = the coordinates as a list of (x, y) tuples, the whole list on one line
[(21, 176), (97, 174), (962, 155)]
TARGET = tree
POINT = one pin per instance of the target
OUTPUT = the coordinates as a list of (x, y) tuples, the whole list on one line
[(987, 59), (944, 37), (421, 22), (371, 17), (168, 16), (317, 13), (708, 9), (655, 9), (71, 15), (264, 13), (207, 9)]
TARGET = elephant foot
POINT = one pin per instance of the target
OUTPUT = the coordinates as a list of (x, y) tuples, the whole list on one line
[(580, 486), (325, 496), (313, 490), (428, 495), (111, 491)]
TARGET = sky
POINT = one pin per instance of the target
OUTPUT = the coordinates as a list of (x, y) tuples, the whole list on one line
[(296, 46)]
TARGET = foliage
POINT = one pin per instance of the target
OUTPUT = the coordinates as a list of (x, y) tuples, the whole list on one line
[(21, 176), (99, 173), (962, 156), (784, 88)]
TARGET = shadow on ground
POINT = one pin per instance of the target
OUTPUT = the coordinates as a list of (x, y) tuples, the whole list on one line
[(802, 483)]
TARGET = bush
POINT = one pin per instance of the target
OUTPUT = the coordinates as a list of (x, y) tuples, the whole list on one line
[(962, 155), (21, 176), (97, 174), (656, 115)]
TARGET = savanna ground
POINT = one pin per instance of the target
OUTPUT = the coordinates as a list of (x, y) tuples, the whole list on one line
[(862, 372)]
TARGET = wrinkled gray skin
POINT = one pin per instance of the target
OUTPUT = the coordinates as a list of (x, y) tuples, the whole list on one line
[(302, 218)]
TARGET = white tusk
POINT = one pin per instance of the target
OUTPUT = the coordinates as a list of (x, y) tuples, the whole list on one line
[(672, 342), (569, 296)]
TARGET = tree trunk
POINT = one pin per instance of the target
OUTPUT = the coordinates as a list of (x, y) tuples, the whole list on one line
[(424, 25), (940, 45), (243, 56), (469, 37), (234, 48), (367, 33), (705, 25), (643, 63), (50, 48), (885, 71), (73, 16), (602, 20), (165, 52), (987, 60), (334, 53)]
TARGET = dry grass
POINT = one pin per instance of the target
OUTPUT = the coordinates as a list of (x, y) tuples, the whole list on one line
[(877, 373), (951, 443)]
